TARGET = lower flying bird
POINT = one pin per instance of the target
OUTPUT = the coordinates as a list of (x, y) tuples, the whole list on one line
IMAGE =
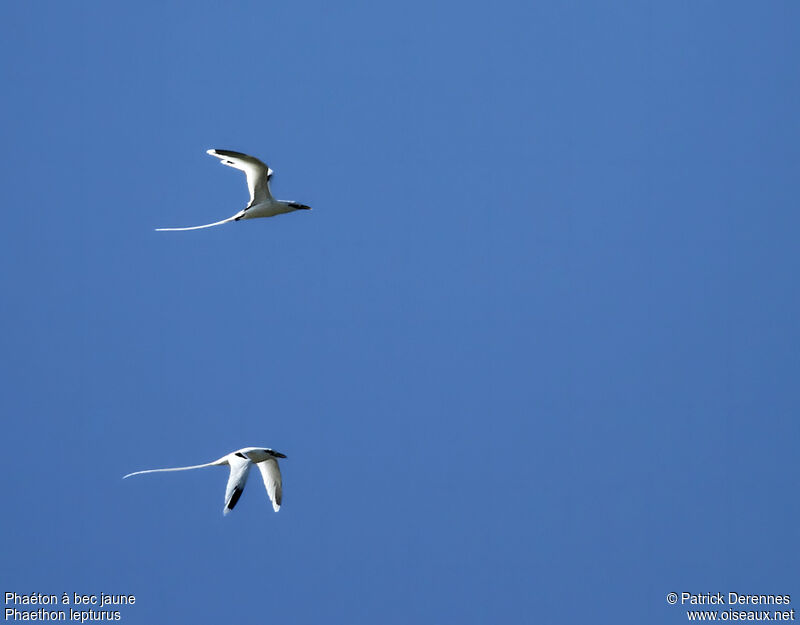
[(240, 462), (262, 204)]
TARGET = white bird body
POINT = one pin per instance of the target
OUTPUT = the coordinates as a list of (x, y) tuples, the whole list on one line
[(262, 204), (240, 463)]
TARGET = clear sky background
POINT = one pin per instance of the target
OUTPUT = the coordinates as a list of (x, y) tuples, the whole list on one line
[(533, 356)]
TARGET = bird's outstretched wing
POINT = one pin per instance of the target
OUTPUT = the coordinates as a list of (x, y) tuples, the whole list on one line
[(271, 473), (258, 174), (240, 468)]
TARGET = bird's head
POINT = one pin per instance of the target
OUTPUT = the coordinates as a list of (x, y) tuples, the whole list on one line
[(298, 207), (274, 454)]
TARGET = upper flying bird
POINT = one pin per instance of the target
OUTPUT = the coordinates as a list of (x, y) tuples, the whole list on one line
[(262, 204), (240, 462)]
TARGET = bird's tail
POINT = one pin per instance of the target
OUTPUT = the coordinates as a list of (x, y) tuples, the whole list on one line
[(196, 466), (216, 223)]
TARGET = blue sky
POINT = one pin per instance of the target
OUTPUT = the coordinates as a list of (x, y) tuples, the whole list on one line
[(533, 356)]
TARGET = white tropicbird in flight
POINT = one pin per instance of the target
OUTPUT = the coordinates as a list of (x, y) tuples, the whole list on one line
[(262, 204), (240, 462)]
